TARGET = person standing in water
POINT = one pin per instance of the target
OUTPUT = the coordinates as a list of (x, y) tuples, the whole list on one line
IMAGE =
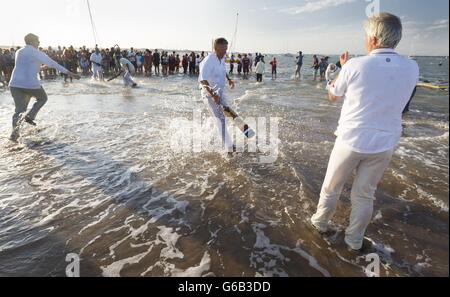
[(148, 62), (128, 69), (315, 67), (260, 69), (231, 65), (246, 66), (250, 57), (239, 64), (97, 69), (24, 82), (185, 63), (370, 127), (156, 61), (69, 55), (274, 64), (299, 62), (213, 74)]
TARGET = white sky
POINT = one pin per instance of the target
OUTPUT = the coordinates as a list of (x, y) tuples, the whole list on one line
[(269, 26)]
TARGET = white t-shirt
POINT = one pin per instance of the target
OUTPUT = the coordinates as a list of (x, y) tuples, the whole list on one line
[(139, 60), (132, 56), (214, 71), (375, 89), (28, 64), (260, 67)]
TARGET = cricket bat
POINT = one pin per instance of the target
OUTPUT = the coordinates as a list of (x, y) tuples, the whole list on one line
[(115, 76), (248, 132)]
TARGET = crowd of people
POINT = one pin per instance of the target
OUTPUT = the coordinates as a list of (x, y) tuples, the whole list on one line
[(101, 63), (7, 64)]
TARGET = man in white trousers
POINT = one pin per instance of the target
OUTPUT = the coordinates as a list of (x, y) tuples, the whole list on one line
[(213, 74), (375, 90), (97, 68)]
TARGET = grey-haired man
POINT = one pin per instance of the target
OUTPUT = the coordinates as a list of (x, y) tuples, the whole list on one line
[(375, 90)]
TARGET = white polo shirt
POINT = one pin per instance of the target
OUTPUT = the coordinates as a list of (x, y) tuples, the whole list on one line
[(28, 64), (375, 89), (214, 71)]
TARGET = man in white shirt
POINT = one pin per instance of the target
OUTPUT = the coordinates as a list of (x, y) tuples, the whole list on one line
[(97, 68), (25, 84), (212, 77), (260, 69), (375, 90)]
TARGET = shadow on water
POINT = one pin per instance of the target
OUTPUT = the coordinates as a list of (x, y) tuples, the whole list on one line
[(240, 240), (237, 246)]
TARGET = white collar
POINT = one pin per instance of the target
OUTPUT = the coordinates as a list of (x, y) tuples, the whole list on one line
[(216, 57), (383, 51)]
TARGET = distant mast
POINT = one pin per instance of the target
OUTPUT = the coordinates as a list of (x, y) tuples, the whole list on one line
[(94, 29), (234, 41)]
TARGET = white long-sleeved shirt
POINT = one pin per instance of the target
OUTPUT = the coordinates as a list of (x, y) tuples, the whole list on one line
[(28, 64)]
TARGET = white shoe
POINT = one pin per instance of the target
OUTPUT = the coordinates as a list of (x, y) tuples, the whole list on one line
[(353, 247), (320, 229)]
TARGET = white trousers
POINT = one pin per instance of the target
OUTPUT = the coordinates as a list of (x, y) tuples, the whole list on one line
[(127, 80), (97, 72), (370, 169), (216, 111)]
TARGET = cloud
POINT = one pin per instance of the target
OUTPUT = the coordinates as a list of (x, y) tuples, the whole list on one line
[(315, 5), (441, 22), (438, 25)]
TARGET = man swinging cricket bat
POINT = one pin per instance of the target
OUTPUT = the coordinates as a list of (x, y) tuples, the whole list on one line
[(212, 77)]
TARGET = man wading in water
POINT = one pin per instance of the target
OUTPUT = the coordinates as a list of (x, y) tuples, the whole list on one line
[(24, 82), (375, 90), (213, 73)]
